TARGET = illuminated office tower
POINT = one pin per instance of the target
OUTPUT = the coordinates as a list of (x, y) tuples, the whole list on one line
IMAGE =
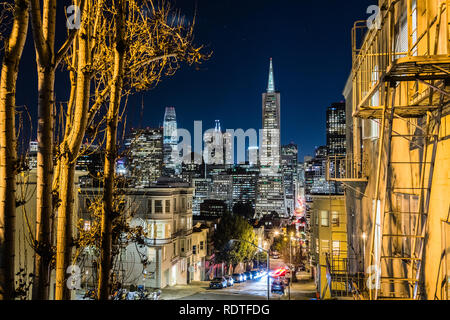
[(270, 193), (172, 166)]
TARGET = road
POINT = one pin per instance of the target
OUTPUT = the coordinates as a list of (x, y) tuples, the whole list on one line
[(249, 290)]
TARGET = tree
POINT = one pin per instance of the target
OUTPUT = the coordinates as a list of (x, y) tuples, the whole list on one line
[(234, 227), (8, 149), (47, 59), (122, 47)]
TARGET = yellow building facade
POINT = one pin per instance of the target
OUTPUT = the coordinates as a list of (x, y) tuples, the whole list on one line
[(329, 244), (397, 170)]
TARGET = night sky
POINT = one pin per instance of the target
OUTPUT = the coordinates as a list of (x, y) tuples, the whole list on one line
[(309, 41)]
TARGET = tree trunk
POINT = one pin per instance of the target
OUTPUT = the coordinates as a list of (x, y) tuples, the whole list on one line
[(44, 206), (64, 227), (8, 152), (70, 148), (44, 39), (110, 157)]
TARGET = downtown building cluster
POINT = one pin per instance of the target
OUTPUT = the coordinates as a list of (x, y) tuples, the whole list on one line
[(177, 205)]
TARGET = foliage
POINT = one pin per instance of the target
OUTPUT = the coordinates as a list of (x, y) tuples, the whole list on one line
[(234, 227)]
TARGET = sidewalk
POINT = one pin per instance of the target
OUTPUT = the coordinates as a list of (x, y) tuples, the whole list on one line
[(183, 291), (303, 289)]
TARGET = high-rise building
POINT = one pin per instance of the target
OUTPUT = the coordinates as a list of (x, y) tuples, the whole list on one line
[(244, 182), (145, 155), (336, 138), (253, 155), (289, 163), (218, 147), (221, 189), (172, 166), (270, 193), (202, 191)]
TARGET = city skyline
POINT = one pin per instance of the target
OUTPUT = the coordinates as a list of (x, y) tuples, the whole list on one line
[(231, 80)]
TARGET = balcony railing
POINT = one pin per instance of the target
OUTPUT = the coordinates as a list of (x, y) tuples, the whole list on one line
[(405, 45), (344, 168)]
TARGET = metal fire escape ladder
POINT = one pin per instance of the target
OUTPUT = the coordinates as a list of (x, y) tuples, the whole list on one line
[(411, 262)]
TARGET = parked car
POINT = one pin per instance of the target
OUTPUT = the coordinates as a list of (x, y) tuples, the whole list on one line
[(249, 275), (244, 277), (278, 286), (255, 274), (237, 277), (218, 283), (230, 281)]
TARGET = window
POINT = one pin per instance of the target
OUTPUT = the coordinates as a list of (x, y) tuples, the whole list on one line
[(182, 245), (336, 247), (164, 253), (167, 206), (158, 206), (324, 218), (317, 246), (174, 249), (183, 204), (175, 205), (194, 249), (316, 214), (335, 218), (201, 245), (87, 225)]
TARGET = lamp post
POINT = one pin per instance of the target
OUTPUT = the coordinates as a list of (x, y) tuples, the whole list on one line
[(268, 263)]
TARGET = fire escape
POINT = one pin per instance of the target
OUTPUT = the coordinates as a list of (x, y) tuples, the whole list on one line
[(401, 75)]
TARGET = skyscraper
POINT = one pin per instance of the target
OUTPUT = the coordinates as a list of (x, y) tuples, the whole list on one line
[(289, 163), (145, 155), (336, 141), (171, 165), (270, 194), (218, 146)]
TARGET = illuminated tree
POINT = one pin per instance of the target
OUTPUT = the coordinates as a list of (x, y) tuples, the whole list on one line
[(14, 45)]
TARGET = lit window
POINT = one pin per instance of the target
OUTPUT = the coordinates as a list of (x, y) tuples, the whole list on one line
[(324, 218), (336, 247), (335, 218)]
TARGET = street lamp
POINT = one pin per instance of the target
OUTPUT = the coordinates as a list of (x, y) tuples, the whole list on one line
[(268, 263)]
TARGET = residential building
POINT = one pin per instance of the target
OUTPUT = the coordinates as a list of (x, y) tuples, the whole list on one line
[(199, 251), (398, 158), (164, 256), (328, 245)]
